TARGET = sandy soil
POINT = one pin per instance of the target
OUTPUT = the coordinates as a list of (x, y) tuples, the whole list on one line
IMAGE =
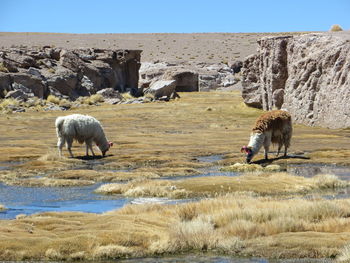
[(198, 47)]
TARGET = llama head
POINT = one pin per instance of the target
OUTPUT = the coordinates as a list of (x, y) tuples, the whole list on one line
[(255, 143), (249, 153), (106, 148)]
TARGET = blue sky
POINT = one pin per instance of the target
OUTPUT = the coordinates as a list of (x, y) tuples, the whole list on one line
[(180, 16)]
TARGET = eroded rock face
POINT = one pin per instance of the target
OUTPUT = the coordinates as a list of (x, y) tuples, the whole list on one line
[(68, 73), (308, 75), (188, 77)]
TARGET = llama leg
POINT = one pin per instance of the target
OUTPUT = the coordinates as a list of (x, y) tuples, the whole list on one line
[(266, 151), (69, 146), (267, 143), (87, 149), (60, 144), (89, 146), (279, 149)]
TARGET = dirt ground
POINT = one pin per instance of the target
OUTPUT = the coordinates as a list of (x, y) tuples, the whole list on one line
[(198, 47)]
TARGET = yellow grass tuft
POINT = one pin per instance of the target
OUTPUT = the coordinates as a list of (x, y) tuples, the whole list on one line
[(7, 102), (344, 256), (93, 99), (48, 182), (111, 251), (237, 224), (242, 167), (53, 99), (127, 96), (336, 28), (144, 188), (261, 183), (3, 68)]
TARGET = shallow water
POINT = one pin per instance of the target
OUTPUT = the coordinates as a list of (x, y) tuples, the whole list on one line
[(30, 200), (310, 170), (195, 259)]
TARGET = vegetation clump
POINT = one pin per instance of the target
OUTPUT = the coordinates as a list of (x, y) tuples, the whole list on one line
[(336, 28)]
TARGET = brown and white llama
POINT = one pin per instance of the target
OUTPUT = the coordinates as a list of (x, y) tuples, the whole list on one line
[(271, 127)]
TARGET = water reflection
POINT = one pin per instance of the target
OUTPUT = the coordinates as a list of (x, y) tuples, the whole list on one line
[(30, 200)]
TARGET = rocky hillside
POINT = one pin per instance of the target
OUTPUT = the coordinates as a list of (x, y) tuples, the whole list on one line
[(308, 75), (41, 71)]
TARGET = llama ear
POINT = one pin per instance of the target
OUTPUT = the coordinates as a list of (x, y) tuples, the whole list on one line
[(246, 149)]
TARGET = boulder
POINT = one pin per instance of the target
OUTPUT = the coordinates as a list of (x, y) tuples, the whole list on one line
[(69, 72), (63, 81), (236, 66), (31, 82), (19, 95), (5, 84), (185, 80), (307, 75), (162, 88), (110, 93), (208, 81)]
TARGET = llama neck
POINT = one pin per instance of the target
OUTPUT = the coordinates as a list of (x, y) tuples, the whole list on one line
[(101, 142), (256, 141)]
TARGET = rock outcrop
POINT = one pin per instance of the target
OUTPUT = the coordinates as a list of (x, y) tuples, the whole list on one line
[(68, 73), (188, 78), (308, 75)]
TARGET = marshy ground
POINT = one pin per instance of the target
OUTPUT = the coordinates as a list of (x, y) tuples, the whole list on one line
[(264, 214)]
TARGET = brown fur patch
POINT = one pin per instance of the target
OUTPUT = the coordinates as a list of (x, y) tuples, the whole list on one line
[(275, 121), (272, 120)]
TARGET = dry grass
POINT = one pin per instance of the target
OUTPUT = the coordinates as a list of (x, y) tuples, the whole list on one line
[(93, 99), (344, 254), (3, 68), (48, 182), (144, 187), (8, 102), (242, 167), (239, 224), (261, 183), (165, 134), (164, 139), (53, 99), (336, 28)]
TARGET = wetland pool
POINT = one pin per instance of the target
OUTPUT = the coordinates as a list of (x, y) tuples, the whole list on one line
[(30, 200)]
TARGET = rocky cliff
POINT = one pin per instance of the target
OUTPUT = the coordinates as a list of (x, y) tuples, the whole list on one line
[(41, 71), (308, 75)]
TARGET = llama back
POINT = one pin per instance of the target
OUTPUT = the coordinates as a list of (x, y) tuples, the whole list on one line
[(275, 120)]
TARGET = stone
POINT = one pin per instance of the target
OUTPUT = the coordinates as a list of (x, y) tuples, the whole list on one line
[(236, 66), (33, 83), (69, 72), (35, 72), (110, 93), (252, 96), (113, 101), (209, 81), (162, 88), (185, 80), (308, 75), (18, 95), (5, 84), (64, 81), (87, 84)]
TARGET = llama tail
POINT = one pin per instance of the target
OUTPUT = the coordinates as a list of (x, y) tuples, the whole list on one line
[(58, 124)]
